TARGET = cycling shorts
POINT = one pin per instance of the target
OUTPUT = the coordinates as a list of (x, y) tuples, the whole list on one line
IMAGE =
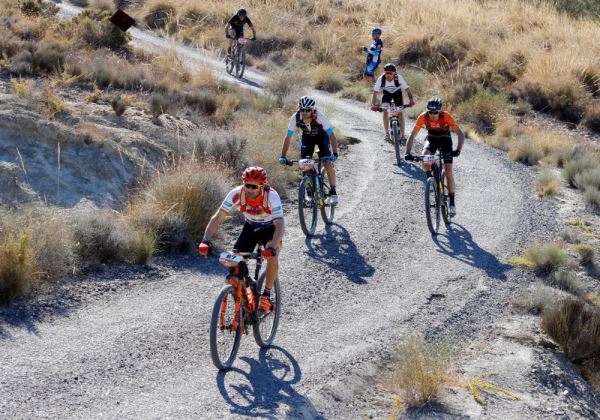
[(307, 148), (396, 96), (432, 144), (370, 68), (253, 235)]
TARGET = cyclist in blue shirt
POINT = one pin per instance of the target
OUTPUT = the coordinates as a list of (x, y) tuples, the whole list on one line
[(373, 55)]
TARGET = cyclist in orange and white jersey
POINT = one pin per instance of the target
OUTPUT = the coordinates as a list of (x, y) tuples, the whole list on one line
[(261, 206), (439, 125)]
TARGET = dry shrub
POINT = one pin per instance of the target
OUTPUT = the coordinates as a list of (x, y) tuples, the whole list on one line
[(168, 230), (94, 28), (358, 91), (118, 105), (203, 100), (483, 109), (329, 79), (592, 197), (264, 46), (16, 265), (546, 183), (421, 369), (564, 101), (159, 13), (204, 78), (285, 84), (48, 57), (531, 145), (591, 120), (38, 8), (191, 189), (143, 246), (546, 257), (575, 326), (102, 237), (104, 5), (158, 105), (223, 147), (535, 299), (80, 3), (578, 165), (590, 78), (567, 280), (586, 253)]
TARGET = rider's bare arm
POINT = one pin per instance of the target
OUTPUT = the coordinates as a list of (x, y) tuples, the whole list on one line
[(214, 223), (374, 99), (278, 234), (411, 139), (409, 93), (461, 137), (286, 145)]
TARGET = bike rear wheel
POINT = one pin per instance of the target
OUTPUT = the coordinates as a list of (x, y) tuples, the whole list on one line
[(444, 200), (225, 329), (307, 207), (327, 208), (266, 327), (396, 140), (240, 62), (230, 60), (432, 207)]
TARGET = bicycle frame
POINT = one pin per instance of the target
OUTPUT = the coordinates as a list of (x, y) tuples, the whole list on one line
[(239, 278)]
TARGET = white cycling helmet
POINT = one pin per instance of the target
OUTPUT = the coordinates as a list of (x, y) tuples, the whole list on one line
[(306, 102)]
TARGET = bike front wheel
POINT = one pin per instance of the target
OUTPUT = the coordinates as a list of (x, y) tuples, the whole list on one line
[(327, 208), (307, 206), (396, 140), (230, 60), (240, 62), (266, 326), (432, 205), (444, 200), (225, 329)]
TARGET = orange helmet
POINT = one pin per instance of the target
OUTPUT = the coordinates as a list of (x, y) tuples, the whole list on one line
[(255, 174)]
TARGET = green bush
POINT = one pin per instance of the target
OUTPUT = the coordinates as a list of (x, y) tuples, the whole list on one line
[(102, 237), (592, 197), (586, 253), (577, 165), (566, 280), (546, 257), (483, 110)]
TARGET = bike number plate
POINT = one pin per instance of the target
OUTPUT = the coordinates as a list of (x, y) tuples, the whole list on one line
[(306, 164), (230, 260), (242, 41), (393, 109), (429, 158)]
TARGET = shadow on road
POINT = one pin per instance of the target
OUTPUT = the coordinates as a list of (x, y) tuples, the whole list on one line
[(459, 244), (336, 249), (265, 385)]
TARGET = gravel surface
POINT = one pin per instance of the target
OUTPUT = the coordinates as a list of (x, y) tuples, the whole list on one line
[(140, 349)]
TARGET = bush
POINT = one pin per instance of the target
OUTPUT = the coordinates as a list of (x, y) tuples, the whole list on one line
[(577, 165), (589, 178), (524, 149), (535, 299), (118, 105), (158, 105), (48, 57), (421, 369), (193, 190), (592, 197), (204, 101), (102, 237), (483, 110), (586, 253), (329, 79), (168, 229), (546, 257), (222, 147), (143, 246), (95, 28), (37, 8), (16, 266), (80, 3), (565, 102), (575, 326), (546, 183), (566, 280), (159, 13), (591, 120)]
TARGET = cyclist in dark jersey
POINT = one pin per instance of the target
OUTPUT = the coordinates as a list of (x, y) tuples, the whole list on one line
[(234, 28), (439, 125), (316, 131)]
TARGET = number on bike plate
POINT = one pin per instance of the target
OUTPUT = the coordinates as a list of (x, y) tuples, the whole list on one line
[(429, 158), (306, 164), (242, 41), (230, 260), (393, 109)]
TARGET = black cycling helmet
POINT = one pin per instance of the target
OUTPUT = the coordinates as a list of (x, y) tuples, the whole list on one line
[(376, 31), (241, 12), (389, 67), (434, 104)]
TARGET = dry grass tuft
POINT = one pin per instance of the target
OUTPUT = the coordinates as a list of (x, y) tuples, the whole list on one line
[(329, 79), (586, 253), (421, 369), (535, 299), (546, 257), (567, 280), (159, 13), (16, 265), (119, 105), (546, 183)]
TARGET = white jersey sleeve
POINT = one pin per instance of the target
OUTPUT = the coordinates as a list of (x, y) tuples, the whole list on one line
[(232, 200), (402, 82), (377, 85), (292, 125), (275, 205), (322, 119)]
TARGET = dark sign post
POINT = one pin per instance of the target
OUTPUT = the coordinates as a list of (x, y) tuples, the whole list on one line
[(122, 20)]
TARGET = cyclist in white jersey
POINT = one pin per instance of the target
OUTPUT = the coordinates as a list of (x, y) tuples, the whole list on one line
[(261, 206), (391, 83)]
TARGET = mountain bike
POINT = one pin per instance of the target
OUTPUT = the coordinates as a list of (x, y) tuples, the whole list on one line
[(436, 196), (394, 113), (236, 308), (236, 60), (313, 195)]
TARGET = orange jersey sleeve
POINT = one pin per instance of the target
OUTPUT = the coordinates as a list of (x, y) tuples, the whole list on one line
[(420, 121)]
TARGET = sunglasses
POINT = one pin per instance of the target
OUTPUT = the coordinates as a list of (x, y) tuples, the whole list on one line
[(305, 110), (433, 112), (252, 186), (389, 72)]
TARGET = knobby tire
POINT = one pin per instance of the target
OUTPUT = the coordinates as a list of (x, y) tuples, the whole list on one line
[(396, 141), (328, 209), (308, 226), (224, 362), (266, 327), (432, 207)]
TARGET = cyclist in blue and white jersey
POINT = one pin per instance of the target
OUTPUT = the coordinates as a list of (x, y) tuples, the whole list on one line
[(316, 130)]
